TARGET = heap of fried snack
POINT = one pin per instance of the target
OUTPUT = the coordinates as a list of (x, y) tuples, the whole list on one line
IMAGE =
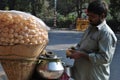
[(21, 28)]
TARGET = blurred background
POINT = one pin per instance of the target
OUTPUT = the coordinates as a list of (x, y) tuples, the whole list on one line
[(63, 13)]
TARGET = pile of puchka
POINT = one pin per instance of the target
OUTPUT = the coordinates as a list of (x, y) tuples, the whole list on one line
[(22, 39)]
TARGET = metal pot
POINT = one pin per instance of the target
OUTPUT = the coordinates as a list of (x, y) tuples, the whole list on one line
[(50, 67)]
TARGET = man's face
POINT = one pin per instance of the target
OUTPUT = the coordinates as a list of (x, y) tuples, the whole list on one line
[(94, 19)]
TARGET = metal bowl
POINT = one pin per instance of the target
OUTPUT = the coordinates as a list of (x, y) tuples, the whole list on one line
[(50, 74), (50, 68)]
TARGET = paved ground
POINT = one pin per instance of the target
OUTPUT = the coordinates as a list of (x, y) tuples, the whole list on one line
[(59, 41)]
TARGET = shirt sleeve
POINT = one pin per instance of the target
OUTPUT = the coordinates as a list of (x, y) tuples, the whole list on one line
[(107, 45)]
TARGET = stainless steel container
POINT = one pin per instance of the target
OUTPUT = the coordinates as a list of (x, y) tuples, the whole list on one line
[(50, 67)]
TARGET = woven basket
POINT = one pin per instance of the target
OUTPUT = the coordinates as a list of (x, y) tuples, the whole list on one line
[(18, 69), (18, 61)]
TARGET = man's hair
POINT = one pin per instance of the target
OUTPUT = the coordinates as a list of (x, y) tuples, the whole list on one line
[(98, 7)]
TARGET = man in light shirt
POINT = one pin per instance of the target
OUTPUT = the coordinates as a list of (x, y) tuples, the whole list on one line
[(95, 51)]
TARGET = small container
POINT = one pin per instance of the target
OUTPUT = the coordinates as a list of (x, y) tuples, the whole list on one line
[(68, 70)]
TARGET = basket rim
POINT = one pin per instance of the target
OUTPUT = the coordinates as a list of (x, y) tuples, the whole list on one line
[(18, 59)]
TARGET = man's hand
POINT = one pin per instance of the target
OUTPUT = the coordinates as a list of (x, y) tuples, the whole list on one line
[(77, 54)]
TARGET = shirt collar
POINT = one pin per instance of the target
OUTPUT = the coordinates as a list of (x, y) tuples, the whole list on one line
[(100, 25)]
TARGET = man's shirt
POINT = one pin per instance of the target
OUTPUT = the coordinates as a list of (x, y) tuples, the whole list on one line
[(99, 43)]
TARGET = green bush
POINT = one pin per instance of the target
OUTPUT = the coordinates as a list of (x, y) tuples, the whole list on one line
[(49, 22), (62, 21), (65, 21)]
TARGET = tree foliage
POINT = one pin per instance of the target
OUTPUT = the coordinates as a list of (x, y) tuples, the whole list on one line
[(66, 9), (115, 9), (3, 4), (34, 7)]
